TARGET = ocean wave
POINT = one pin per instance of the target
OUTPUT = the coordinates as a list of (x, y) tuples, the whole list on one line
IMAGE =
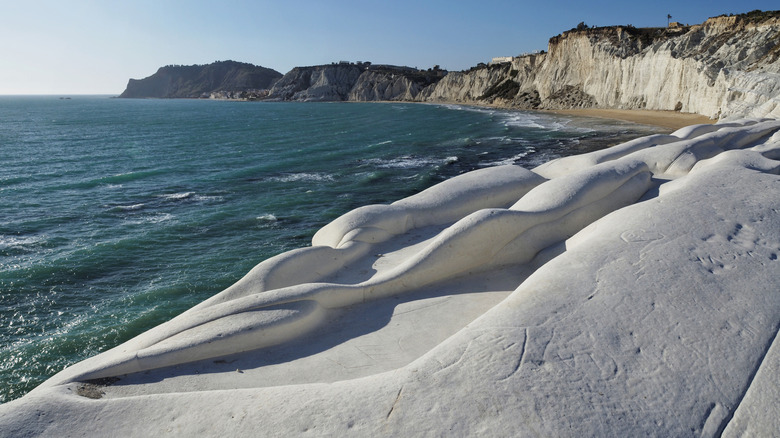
[(267, 217), (155, 218), (20, 243), (304, 176), (115, 181), (208, 198), (130, 207), (380, 143), (473, 109), (505, 161), (192, 196), (177, 196), (523, 120), (404, 162)]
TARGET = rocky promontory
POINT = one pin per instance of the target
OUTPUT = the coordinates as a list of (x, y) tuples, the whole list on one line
[(361, 81), (223, 78)]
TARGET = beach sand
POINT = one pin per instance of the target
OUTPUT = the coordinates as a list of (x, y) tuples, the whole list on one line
[(666, 119)]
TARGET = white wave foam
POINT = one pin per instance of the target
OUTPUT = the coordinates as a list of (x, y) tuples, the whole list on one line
[(160, 217), (189, 195), (208, 198), (522, 120), (473, 109), (16, 242), (380, 143), (294, 177), (405, 162), (177, 196), (267, 217), (130, 207), (510, 160), (151, 219)]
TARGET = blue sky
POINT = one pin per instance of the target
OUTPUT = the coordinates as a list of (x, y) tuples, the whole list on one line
[(95, 46)]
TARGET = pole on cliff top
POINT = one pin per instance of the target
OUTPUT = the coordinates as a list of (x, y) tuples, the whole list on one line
[(668, 19)]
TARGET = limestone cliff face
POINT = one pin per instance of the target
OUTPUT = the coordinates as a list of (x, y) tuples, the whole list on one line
[(393, 83), (725, 67), (373, 86), (318, 83), (469, 86), (353, 82), (690, 72)]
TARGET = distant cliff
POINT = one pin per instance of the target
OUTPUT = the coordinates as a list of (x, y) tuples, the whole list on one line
[(360, 81), (725, 67), (192, 81)]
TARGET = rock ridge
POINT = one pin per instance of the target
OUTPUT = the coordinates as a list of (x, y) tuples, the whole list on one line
[(230, 78), (359, 82)]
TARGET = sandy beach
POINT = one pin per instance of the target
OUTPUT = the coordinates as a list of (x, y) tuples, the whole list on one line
[(666, 119)]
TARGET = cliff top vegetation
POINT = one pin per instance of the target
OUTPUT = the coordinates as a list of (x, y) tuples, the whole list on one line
[(756, 16), (645, 36)]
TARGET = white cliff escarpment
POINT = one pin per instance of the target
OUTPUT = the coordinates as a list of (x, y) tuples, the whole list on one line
[(360, 81), (632, 290), (727, 67), (692, 72), (321, 83)]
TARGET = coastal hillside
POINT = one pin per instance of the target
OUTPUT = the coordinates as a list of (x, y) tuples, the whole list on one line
[(226, 78), (729, 66), (360, 81)]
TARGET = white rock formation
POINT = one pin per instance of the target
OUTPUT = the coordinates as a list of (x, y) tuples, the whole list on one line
[(726, 67), (465, 87), (319, 83), (355, 82), (630, 291), (384, 86)]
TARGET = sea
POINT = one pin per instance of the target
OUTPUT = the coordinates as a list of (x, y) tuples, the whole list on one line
[(118, 214)]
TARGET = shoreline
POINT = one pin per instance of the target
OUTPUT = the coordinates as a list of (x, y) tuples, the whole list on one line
[(672, 120), (665, 119)]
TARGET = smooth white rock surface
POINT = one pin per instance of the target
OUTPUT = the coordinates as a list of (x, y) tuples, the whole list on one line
[(631, 291)]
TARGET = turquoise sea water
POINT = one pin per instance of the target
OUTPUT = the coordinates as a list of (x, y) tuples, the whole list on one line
[(116, 215)]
